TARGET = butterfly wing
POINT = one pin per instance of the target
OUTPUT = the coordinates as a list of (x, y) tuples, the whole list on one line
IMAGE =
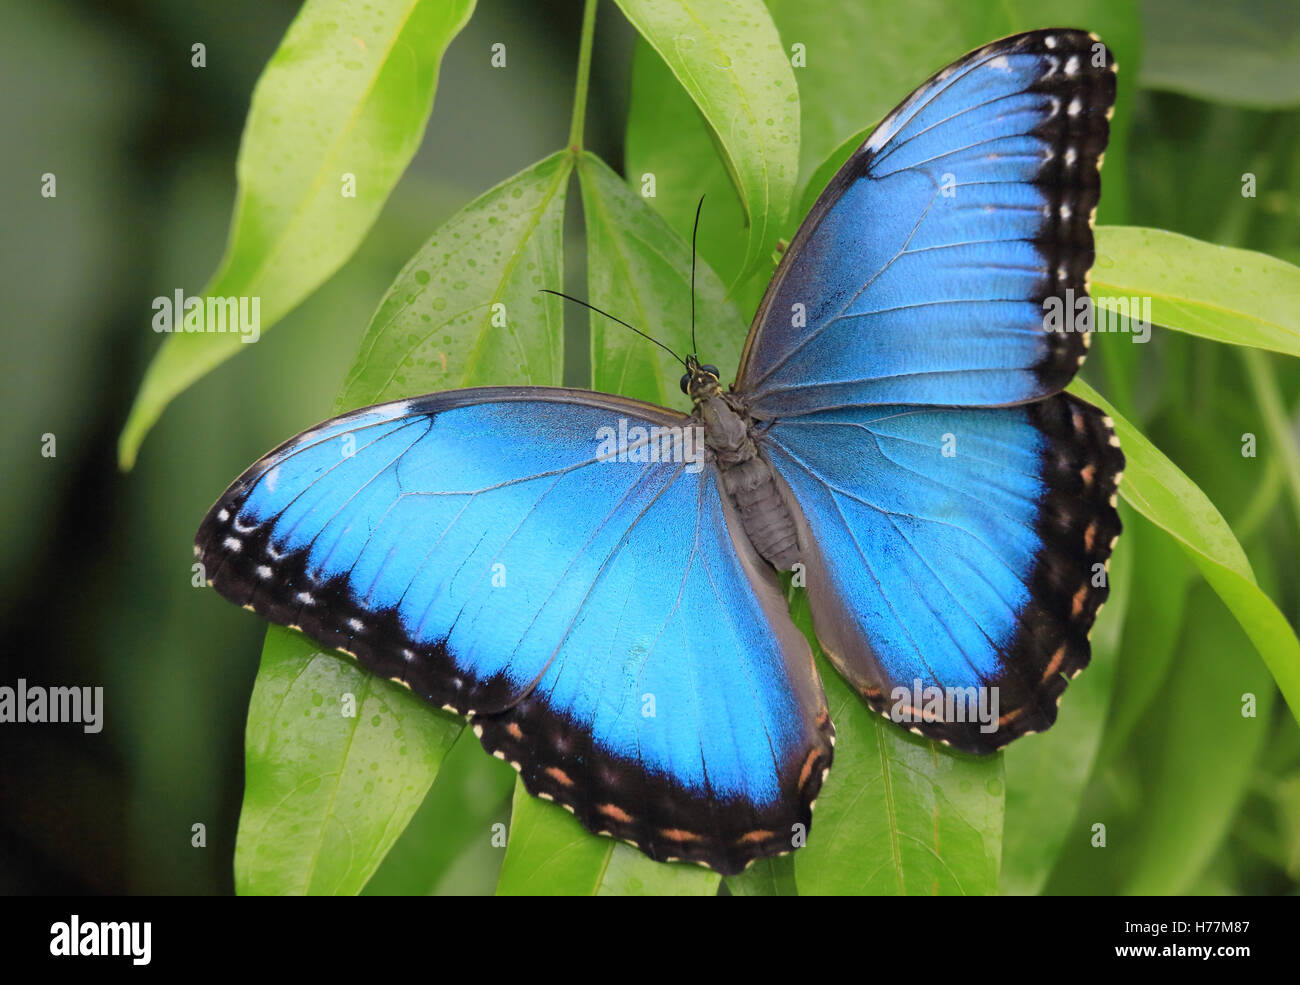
[(954, 515), (955, 548), (920, 275), (593, 608)]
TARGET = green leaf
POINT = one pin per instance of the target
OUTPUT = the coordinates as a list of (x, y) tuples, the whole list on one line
[(1288, 811), (453, 829), (1046, 774), (1162, 569), (1245, 53), (728, 57), (1157, 489), (551, 854), (323, 791), (348, 91), (1214, 292), (899, 815), (502, 246), (1197, 753), (467, 308), (639, 269), (772, 876), (664, 114)]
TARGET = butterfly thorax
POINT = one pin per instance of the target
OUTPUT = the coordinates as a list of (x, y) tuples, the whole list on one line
[(748, 478), (726, 430)]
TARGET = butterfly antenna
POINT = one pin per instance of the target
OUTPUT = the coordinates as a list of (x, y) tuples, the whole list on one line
[(694, 233), (585, 304)]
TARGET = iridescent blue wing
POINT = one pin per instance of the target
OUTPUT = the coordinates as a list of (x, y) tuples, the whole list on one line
[(544, 562), (955, 548), (921, 273)]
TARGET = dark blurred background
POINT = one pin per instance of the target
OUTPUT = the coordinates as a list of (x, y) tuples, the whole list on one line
[(95, 579)]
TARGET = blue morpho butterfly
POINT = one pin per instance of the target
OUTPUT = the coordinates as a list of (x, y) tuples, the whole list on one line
[(907, 443)]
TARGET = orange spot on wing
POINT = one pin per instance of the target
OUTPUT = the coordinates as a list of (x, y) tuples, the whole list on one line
[(559, 776), (923, 714), (677, 834), (615, 812), (807, 768), (1054, 664), (1080, 597)]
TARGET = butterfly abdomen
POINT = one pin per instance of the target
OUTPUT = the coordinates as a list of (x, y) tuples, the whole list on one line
[(750, 483), (766, 518)]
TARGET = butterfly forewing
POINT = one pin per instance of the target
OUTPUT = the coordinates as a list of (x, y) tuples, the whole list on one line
[(921, 274)]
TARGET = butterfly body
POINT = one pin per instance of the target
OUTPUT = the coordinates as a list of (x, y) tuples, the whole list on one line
[(731, 437), (607, 614)]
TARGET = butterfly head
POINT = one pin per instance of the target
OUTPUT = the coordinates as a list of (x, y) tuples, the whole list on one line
[(700, 381)]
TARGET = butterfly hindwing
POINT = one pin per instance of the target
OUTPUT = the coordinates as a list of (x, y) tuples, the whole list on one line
[(705, 622), (955, 548), (920, 275), (599, 617)]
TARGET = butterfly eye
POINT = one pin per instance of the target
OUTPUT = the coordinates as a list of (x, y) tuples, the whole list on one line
[(686, 384), (712, 370)]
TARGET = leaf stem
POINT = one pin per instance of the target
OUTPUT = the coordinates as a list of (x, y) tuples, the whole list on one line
[(1267, 493), (584, 76), (1269, 400)]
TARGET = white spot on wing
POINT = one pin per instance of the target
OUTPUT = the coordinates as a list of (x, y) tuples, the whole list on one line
[(877, 139)]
